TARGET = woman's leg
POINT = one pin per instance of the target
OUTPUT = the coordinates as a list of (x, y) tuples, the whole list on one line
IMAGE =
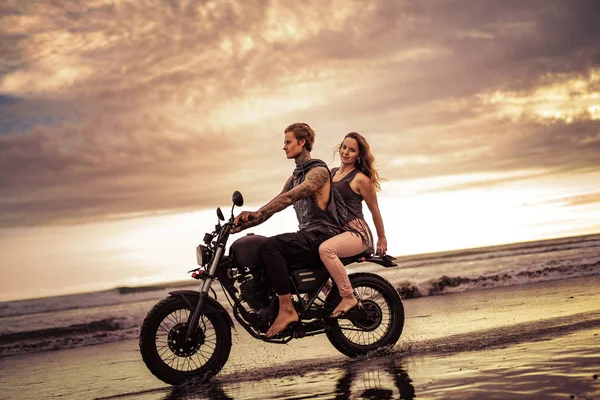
[(343, 245)]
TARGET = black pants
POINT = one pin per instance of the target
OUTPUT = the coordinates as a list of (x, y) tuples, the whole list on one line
[(289, 248)]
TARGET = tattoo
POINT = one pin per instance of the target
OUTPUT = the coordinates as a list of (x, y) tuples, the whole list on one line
[(315, 180), (287, 184), (303, 156), (286, 187)]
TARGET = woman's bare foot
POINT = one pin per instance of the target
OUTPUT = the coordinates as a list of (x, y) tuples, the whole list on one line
[(346, 304), (284, 318)]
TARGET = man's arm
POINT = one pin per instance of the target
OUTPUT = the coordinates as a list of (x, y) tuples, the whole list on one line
[(315, 180), (242, 217), (286, 188)]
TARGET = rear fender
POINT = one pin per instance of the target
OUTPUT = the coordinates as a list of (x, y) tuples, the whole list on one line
[(191, 299), (385, 261)]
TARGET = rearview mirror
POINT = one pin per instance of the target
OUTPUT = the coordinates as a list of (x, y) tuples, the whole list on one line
[(237, 199), (220, 214)]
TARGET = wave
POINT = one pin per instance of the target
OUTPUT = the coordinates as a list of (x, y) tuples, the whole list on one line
[(66, 342), (450, 284), (100, 317), (501, 251), (112, 329), (103, 325), (119, 295), (124, 290), (133, 294), (93, 332)]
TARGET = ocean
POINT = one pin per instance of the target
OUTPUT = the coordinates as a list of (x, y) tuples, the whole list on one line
[(78, 320)]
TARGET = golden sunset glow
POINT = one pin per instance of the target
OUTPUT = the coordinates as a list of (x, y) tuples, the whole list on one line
[(565, 98), (124, 125)]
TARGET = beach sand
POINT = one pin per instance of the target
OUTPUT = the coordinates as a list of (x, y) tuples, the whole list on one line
[(519, 342)]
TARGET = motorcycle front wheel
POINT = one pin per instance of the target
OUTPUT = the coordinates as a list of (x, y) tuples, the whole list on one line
[(382, 326), (175, 360)]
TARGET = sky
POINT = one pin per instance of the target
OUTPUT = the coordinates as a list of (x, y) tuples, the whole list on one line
[(123, 124)]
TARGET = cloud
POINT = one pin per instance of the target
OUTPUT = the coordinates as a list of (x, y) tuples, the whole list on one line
[(584, 199), (488, 180), (128, 107)]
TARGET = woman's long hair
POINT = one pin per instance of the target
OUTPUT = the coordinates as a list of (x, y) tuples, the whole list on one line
[(365, 162)]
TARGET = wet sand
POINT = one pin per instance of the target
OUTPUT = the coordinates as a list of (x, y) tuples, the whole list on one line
[(520, 342)]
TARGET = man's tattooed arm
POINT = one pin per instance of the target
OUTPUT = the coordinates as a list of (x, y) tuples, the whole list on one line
[(286, 188), (316, 178), (241, 221)]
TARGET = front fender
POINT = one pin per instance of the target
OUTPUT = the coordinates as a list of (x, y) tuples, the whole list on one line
[(191, 298)]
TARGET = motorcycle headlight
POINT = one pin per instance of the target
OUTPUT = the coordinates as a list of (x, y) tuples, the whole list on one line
[(202, 254)]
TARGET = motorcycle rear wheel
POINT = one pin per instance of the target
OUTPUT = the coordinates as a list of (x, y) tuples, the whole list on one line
[(361, 336), (173, 360)]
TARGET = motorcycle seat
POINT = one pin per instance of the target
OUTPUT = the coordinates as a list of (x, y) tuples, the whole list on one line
[(356, 258), (385, 261), (316, 264)]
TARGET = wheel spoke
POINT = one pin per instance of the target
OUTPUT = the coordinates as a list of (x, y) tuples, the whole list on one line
[(196, 366), (201, 354), (166, 349), (209, 347), (376, 335), (171, 319), (171, 359), (164, 327)]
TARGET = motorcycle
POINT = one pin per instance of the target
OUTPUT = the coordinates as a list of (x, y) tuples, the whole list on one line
[(187, 336)]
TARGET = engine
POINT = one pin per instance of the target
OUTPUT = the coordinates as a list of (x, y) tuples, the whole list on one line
[(255, 292), (254, 285)]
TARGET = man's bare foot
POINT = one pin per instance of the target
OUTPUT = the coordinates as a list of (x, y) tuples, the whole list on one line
[(284, 318), (346, 304)]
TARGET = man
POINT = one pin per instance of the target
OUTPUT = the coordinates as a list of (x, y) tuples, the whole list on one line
[(309, 190)]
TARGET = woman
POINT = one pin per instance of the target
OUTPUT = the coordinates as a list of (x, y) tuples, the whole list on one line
[(356, 180)]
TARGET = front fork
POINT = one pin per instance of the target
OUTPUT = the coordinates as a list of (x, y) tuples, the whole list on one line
[(195, 317)]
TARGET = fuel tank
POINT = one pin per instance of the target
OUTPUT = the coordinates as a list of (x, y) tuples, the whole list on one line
[(245, 251)]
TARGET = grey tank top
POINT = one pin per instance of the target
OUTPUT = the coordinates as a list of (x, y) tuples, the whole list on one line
[(352, 199), (310, 216)]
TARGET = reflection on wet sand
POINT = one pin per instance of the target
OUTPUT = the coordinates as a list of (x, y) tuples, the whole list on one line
[(374, 387), (212, 391), (381, 378), (549, 364)]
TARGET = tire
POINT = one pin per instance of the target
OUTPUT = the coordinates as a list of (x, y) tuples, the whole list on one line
[(175, 364), (358, 337)]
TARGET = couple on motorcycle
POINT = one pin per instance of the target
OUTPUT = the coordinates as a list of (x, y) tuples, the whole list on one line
[(329, 210)]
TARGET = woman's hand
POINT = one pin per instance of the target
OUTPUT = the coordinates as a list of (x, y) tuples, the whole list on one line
[(381, 245)]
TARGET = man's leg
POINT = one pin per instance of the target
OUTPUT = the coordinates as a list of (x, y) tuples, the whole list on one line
[(276, 252)]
